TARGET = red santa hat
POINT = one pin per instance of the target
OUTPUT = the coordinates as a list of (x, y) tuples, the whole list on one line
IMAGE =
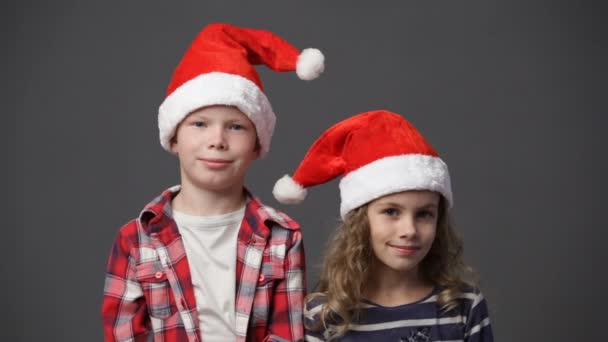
[(218, 69), (377, 153)]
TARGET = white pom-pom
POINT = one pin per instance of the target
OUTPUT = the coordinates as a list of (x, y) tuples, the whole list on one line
[(287, 191), (310, 64)]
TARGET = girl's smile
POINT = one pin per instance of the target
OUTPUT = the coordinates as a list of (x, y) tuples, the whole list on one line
[(405, 250), (402, 230)]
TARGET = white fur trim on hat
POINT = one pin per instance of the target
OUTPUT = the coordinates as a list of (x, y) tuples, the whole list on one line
[(310, 64), (288, 191), (394, 174), (217, 88)]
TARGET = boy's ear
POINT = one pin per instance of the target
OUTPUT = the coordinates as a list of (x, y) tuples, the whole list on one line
[(173, 141)]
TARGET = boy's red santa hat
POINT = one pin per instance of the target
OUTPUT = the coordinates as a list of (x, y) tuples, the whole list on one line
[(218, 69), (377, 153)]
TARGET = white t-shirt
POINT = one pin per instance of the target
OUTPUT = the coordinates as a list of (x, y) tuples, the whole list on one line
[(211, 243)]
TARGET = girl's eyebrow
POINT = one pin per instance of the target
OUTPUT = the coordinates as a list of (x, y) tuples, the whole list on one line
[(395, 204), (239, 120), (390, 204), (429, 206)]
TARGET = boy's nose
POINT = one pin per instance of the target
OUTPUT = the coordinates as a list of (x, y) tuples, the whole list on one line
[(217, 139)]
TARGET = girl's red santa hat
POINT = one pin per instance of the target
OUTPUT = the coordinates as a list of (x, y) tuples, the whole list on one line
[(377, 153), (218, 69)]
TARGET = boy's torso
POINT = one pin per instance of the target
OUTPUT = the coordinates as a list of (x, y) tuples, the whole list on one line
[(162, 270)]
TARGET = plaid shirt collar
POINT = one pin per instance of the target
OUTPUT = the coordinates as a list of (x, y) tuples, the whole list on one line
[(157, 216)]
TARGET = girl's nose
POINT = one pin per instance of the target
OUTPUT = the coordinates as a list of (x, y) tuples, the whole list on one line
[(407, 227)]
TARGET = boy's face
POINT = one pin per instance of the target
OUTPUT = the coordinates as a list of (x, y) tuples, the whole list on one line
[(215, 146), (402, 229)]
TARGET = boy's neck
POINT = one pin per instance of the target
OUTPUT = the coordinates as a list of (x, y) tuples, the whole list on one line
[(202, 202)]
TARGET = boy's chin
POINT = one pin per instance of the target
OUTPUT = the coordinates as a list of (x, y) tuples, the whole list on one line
[(219, 184)]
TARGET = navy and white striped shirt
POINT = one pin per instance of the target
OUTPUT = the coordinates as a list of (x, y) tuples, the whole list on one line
[(421, 321)]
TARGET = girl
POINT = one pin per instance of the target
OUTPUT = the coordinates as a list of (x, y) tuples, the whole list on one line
[(394, 269)]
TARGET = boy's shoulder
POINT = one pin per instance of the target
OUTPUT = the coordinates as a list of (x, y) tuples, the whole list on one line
[(156, 210), (271, 216), (153, 210)]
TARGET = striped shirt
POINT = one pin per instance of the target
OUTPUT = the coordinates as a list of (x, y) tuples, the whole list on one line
[(421, 321)]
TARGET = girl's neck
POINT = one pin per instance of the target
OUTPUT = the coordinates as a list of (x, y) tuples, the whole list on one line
[(202, 202), (391, 288)]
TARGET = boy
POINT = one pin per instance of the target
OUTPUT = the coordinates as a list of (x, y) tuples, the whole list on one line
[(206, 260)]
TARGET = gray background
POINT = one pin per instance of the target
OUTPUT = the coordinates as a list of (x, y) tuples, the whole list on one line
[(512, 95)]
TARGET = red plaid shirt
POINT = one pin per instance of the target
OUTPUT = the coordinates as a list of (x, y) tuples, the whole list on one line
[(148, 294)]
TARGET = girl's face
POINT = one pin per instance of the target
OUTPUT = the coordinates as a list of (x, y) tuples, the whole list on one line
[(402, 230)]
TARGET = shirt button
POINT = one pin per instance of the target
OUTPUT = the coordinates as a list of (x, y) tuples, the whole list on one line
[(158, 275), (262, 278)]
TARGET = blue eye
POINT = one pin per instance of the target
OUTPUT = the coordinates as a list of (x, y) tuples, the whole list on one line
[(199, 124), (425, 214), (391, 211)]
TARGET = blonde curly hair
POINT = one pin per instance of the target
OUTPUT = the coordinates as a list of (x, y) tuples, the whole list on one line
[(348, 259)]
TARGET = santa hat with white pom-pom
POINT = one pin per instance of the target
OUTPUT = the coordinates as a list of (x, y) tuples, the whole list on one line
[(218, 69), (377, 153)]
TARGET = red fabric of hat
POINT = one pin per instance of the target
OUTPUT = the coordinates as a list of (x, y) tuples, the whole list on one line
[(376, 153), (219, 69)]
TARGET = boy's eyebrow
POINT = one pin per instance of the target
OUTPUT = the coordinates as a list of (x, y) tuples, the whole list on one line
[(202, 116), (196, 116)]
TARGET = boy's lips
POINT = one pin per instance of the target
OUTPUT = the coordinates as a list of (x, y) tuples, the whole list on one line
[(215, 163), (216, 160)]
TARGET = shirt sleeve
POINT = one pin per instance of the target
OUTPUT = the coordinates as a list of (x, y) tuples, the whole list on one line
[(288, 300), (478, 327), (124, 313)]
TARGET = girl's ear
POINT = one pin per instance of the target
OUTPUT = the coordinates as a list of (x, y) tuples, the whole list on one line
[(257, 149)]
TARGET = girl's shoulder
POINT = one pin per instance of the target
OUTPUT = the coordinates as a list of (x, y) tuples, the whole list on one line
[(315, 325), (471, 294), (470, 301), (465, 291), (474, 307), (316, 312), (314, 304)]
